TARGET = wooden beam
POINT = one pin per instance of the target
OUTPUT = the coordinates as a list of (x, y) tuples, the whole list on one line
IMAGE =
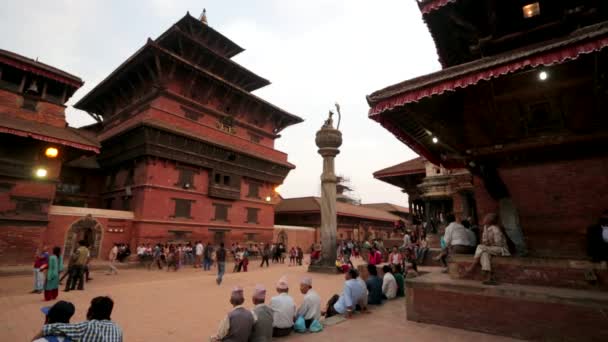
[(22, 85), (159, 68), (44, 86), (64, 93)]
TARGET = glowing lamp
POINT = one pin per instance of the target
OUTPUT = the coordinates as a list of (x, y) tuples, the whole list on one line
[(277, 189), (268, 198), (51, 152), (41, 172), (435, 140), (531, 10), (543, 75)]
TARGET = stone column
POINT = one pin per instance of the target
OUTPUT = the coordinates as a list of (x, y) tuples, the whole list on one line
[(328, 140)]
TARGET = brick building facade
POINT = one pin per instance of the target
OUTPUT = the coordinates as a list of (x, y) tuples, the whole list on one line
[(181, 150)]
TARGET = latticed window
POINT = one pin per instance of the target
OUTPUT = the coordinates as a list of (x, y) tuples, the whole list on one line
[(252, 215), (254, 190), (221, 212), (182, 208), (186, 178)]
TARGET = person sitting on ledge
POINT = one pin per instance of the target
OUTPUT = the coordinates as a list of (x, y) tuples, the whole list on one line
[(284, 310), (238, 324), (374, 286), (494, 241), (458, 240), (346, 303), (389, 284), (597, 239)]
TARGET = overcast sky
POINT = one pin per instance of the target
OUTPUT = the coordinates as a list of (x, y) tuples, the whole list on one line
[(314, 52)]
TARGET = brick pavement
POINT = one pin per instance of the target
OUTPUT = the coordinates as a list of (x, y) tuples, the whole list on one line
[(187, 306)]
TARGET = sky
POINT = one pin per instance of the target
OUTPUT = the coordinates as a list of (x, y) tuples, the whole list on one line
[(315, 52)]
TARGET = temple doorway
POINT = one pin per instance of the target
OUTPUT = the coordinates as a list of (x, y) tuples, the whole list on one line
[(87, 229), (282, 238)]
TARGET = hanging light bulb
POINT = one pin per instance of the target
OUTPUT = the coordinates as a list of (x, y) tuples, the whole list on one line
[(543, 75), (41, 172), (51, 152)]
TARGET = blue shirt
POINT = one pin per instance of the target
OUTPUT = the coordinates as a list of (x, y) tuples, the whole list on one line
[(374, 287), (352, 293)]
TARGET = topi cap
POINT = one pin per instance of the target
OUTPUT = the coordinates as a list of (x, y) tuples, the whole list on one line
[(282, 284), (237, 289), (259, 292), (306, 281)]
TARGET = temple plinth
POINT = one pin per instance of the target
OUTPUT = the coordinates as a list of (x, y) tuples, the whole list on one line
[(328, 140)]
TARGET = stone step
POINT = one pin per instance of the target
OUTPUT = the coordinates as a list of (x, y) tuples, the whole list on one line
[(574, 274)]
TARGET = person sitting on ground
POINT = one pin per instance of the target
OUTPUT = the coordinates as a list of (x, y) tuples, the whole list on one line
[(362, 303), (597, 239), (374, 286), (98, 327), (311, 305), (284, 309), (389, 284), (238, 324), (397, 273), (346, 303), (458, 240), (61, 312), (494, 241), (262, 314)]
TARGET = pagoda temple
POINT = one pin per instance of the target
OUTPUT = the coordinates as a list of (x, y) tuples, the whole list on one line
[(520, 102), (181, 150)]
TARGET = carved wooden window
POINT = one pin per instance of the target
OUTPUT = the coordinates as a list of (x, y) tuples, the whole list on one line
[(250, 236), (254, 190), (226, 180), (126, 203), (182, 208), (110, 180), (221, 212), (226, 124), (130, 176), (255, 138), (218, 178), (29, 104), (28, 206), (186, 178), (218, 237), (252, 215)]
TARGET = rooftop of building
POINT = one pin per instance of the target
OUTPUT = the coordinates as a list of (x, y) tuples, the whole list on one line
[(412, 166), (312, 204), (39, 68), (390, 207)]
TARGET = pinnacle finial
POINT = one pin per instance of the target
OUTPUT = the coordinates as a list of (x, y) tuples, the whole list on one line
[(203, 17)]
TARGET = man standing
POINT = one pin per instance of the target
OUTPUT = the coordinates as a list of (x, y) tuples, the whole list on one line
[(262, 314), (238, 324), (311, 306), (198, 251), (265, 255), (79, 260), (112, 257), (40, 260), (98, 327), (221, 263), (346, 303), (207, 256), (284, 309)]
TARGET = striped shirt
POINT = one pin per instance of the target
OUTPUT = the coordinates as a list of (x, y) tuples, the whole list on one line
[(89, 331)]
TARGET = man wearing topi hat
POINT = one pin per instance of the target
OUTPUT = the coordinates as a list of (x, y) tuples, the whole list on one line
[(284, 309), (311, 306), (262, 314), (238, 324)]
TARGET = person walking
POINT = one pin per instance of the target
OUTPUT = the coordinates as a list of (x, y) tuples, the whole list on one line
[(265, 256), (51, 287), (221, 263), (112, 258)]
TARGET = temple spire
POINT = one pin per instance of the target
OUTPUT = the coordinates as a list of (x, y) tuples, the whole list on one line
[(203, 17)]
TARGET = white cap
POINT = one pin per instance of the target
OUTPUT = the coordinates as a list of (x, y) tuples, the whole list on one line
[(306, 281)]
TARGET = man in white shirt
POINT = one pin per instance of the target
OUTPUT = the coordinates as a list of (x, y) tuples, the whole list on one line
[(351, 296), (198, 251), (284, 309), (311, 306), (389, 284), (458, 240)]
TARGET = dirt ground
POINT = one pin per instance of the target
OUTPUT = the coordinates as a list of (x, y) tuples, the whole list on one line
[(187, 306)]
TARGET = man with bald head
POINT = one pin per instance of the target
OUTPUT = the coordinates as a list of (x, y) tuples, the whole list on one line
[(311, 306), (262, 314), (238, 324)]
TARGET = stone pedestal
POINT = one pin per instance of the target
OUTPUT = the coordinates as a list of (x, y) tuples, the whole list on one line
[(328, 140)]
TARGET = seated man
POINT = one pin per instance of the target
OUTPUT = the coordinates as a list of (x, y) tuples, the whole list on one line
[(389, 284), (61, 312), (374, 286), (597, 239), (98, 327), (397, 273), (262, 314), (458, 240), (311, 306), (238, 324), (493, 242), (284, 309), (346, 303)]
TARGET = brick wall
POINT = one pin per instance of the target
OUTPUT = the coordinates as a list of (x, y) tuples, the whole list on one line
[(18, 244), (46, 112), (557, 201)]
